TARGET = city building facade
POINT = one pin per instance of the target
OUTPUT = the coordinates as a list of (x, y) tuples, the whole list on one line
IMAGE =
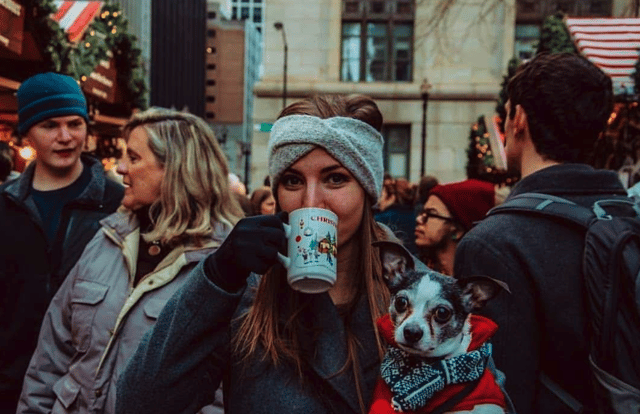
[(233, 52), (447, 58)]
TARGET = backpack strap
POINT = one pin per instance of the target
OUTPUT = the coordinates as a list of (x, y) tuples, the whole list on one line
[(546, 205), (559, 392)]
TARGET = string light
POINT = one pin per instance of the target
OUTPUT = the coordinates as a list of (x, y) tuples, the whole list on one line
[(27, 153)]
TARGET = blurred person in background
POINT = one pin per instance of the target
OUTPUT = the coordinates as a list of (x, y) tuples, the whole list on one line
[(47, 216), (396, 207), (426, 183), (6, 162), (448, 214), (175, 212), (262, 201)]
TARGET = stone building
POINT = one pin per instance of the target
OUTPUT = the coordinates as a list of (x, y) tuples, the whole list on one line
[(390, 50)]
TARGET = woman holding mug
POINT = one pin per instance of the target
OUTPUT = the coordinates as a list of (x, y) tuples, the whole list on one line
[(176, 210), (274, 348)]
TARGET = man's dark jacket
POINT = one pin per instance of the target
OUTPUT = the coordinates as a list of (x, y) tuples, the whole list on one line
[(32, 269), (542, 324)]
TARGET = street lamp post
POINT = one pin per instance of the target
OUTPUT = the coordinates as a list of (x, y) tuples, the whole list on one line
[(280, 27), (424, 92)]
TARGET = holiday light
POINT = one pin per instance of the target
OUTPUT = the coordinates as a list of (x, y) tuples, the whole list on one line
[(27, 153)]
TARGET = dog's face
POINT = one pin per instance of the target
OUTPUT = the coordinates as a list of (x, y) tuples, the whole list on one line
[(428, 309)]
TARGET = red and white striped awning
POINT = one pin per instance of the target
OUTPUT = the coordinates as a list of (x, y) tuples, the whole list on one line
[(76, 16), (610, 43)]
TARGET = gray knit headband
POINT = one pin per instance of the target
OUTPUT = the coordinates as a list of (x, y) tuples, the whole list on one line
[(355, 144)]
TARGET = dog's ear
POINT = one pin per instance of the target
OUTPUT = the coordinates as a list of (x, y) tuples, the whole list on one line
[(395, 259), (477, 290)]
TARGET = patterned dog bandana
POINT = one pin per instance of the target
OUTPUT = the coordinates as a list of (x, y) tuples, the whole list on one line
[(414, 380)]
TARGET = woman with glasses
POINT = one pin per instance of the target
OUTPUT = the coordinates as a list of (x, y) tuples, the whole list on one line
[(449, 212)]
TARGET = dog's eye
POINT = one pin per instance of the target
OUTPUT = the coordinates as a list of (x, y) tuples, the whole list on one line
[(401, 304), (442, 314)]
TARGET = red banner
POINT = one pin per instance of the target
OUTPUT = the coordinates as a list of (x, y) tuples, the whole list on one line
[(11, 25)]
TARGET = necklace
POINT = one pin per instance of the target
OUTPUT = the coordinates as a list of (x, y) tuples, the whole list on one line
[(154, 248)]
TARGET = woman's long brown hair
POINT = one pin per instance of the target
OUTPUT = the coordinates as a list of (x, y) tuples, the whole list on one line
[(262, 326)]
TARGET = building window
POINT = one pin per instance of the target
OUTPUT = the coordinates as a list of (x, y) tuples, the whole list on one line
[(377, 41), (397, 148), (234, 13), (600, 7), (211, 82), (211, 15), (211, 99), (244, 13), (257, 15), (210, 115), (211, 33), (527, 39), (211, 66)]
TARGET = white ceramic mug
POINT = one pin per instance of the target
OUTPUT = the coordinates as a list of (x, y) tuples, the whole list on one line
[(312, 235)]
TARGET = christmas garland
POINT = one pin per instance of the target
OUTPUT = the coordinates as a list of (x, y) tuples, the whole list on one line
[(481, 163), (106, 34)]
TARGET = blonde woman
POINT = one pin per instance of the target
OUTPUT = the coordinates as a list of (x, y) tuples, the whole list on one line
[(176, 210)]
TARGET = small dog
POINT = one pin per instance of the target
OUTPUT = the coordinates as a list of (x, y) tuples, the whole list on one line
[(438, 350)]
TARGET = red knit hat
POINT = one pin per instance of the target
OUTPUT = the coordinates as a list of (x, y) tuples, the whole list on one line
[(468, 201)]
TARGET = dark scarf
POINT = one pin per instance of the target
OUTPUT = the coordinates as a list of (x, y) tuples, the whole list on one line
[(414, 381), (147, 262)]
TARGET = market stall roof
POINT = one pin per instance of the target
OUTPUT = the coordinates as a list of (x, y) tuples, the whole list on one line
[(76, 16), (610, 43)]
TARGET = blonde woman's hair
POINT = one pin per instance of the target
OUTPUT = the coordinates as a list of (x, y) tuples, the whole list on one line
[(194, 192)]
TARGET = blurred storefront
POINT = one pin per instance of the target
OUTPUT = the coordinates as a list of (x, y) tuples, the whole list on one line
[(84, 39)]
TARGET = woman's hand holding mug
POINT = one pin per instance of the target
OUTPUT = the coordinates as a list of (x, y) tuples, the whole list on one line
[(252, 246)]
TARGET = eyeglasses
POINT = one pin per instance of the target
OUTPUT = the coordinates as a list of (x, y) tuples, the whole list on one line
[(427, 214)]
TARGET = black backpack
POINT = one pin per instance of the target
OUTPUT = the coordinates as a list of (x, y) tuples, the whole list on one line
[(610, 267)]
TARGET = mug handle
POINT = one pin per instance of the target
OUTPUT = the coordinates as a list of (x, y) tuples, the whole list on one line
[(284, 260)]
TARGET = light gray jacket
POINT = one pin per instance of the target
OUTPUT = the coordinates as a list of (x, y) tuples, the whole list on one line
[(98, 317)]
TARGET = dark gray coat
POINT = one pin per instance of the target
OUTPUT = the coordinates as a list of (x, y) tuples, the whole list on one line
[(180, 363), (542, 323)]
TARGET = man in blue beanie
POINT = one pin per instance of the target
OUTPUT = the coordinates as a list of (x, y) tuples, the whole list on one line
[(47, 216)]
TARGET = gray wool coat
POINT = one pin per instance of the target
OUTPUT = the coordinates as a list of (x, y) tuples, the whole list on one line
[(97, 318), (180, 363)]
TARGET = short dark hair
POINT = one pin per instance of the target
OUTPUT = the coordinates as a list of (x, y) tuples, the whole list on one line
[(568, 101)]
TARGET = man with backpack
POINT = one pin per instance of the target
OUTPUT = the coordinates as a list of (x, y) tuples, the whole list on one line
[(558, 106)]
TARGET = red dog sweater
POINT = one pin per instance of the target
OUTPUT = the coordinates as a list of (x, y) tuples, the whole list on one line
[(486, 392)]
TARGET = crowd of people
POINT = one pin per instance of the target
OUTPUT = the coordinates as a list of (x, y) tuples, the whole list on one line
[(152, 296)]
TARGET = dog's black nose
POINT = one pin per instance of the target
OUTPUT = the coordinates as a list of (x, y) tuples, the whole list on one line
[(412, 334)]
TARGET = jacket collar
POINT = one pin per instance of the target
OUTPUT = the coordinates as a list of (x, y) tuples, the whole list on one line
[(329, 352), (93, 193), (121, 225), (570, 179)]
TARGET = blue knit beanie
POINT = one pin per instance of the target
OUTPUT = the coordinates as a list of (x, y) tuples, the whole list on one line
[(48, 95)]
